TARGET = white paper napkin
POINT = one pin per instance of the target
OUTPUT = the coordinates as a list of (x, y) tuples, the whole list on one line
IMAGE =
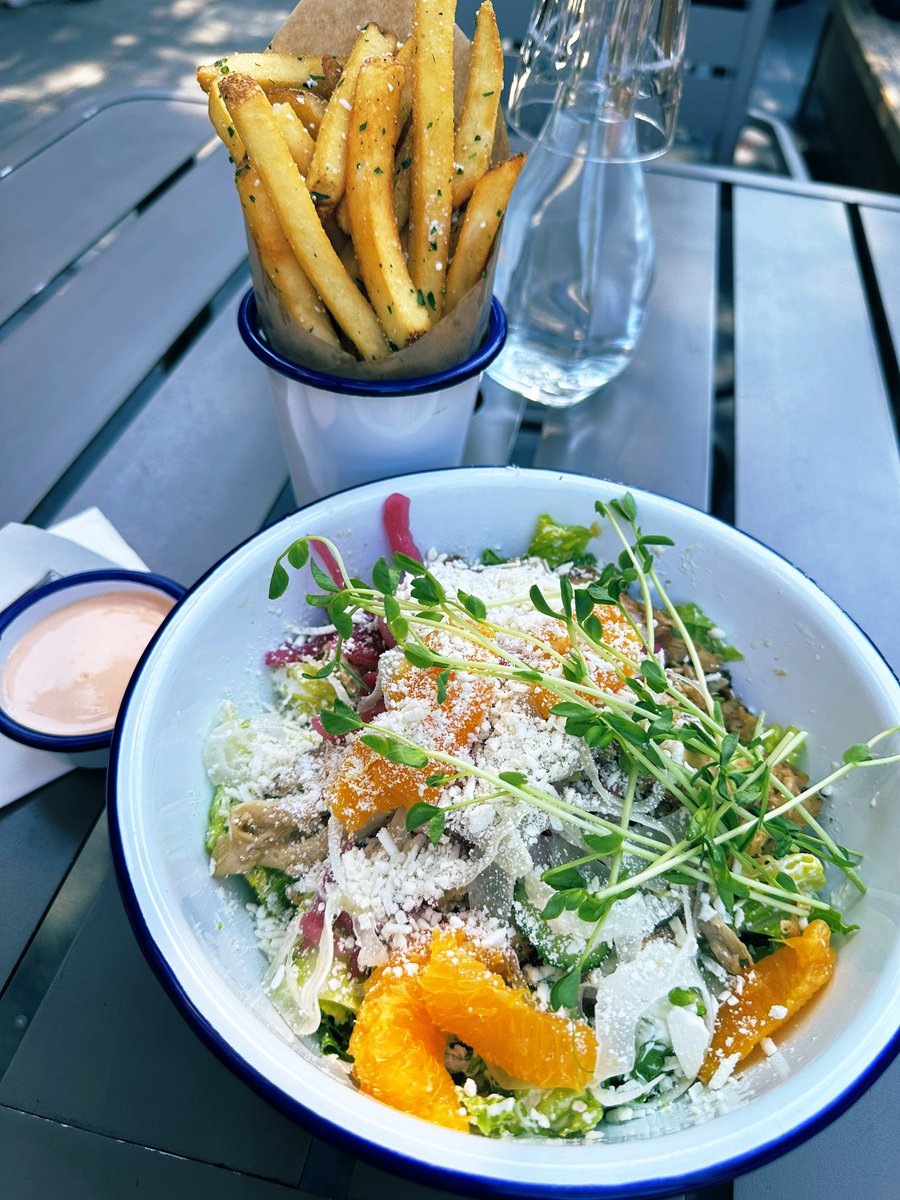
[(85, 542)]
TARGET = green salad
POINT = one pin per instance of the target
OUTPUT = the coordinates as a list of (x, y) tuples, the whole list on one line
[(522, 861)]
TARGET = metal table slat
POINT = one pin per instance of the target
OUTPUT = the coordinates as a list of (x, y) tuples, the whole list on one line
[(209, 441), (152, 1081), (58, 203), (110, 325), (652, 425), (39, 839), (815, 447), (882, 229), (45, 1158)]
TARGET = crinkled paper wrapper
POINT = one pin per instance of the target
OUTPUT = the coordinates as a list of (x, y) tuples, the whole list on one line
[(331, 27)]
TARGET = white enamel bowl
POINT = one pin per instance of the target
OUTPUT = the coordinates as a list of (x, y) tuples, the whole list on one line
[(806, 663)]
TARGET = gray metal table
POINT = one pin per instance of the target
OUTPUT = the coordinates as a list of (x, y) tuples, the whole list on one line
[(766, 387)]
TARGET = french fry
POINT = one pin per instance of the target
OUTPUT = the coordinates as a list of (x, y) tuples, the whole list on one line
[(269, 70), (328, 170), (221, 120), (342, 216), (370, 202), (475, 135), (270, 158), (405, 57), (431, 185), (401, 183), (300, 144), (479, 228), (309, 107), (402, 164), (278, 260), (351, 264)]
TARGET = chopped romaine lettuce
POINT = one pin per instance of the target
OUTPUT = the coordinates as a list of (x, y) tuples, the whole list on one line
[(341, 993), (557, 544), (806, 870), (704, 632), (270, 886), (807, 873), (651, 1060), (774, 734), (333, 1035), (555, 1113), (217, 822), (303, 694), (251, 752)]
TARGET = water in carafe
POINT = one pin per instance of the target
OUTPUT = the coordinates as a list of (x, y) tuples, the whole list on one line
[(576, 264)]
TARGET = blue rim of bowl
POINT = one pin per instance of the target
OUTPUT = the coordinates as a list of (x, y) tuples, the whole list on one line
[(416, 1168), (88, 741), (248, 326)]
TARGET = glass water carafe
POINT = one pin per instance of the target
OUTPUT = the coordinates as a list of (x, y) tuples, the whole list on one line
[(595, 94), (575, 268)]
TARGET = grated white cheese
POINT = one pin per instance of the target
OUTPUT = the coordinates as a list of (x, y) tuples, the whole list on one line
[(723, 1072)]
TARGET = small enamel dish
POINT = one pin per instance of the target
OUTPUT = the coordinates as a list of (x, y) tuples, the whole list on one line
[(67, 649), (805, 663)]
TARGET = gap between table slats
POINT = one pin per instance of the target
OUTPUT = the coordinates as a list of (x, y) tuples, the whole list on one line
[(39, 840), (209, 440), (881, 231), (56, 205), (109, 327), (151, 1080)]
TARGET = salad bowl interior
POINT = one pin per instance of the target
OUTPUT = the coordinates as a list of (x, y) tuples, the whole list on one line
[(805, 663)]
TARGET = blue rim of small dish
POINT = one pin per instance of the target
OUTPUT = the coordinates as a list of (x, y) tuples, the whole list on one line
[(492, 344), (391, 1160), (88, 741)]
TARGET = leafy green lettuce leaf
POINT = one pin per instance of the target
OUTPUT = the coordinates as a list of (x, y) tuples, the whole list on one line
[(700, 628), (297, 689), (557, 544), (270, 886), (557, 1113), (217, 821), (333, 1035), (774, 734)]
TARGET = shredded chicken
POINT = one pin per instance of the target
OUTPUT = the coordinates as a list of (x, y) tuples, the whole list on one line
[(725, 945), (264, 834)]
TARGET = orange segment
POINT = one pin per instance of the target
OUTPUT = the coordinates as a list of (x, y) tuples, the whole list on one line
[(368, 784), (398, 1052), (617, 634), (781, 984), (466, 998)]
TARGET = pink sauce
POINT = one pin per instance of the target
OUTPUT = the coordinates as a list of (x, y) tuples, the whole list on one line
[(67, 675)]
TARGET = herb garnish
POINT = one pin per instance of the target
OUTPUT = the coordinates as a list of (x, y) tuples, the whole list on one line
[(724, 785)]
